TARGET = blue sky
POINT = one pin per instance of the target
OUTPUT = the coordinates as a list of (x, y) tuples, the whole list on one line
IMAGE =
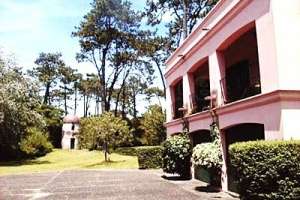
[(28, 27)]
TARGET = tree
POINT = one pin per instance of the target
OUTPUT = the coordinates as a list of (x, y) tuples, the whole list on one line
[(106, 130), (184, 13), (47, 72), (135, 87), (154, 92), (18, 100), (157, 49), (153, 125), (67, 77), (109, 37)]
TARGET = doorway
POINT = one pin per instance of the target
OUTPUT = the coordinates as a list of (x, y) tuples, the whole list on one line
[(72, 145)]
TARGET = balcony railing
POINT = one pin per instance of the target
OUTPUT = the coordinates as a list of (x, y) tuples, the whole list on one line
[(199, 103), (231, 93)]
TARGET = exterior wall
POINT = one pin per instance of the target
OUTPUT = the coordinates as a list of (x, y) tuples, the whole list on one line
[(277, 26), (68, 134), (286, 17)]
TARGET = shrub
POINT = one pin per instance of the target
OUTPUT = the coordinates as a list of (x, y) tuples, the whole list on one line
[(207, 155), (152, 124), (127, 151), (36, 143), (177, 154), (267, 169), (149, 157)]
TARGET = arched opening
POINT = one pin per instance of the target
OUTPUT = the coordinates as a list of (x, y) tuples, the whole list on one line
[(241, 78), (240, 133), (177, 99), (198, 137), (201, 86)]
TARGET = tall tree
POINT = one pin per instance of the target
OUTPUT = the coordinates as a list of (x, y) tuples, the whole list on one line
[(109, 35), (184, 14), (67, 77), (135, 87), (47, 72)]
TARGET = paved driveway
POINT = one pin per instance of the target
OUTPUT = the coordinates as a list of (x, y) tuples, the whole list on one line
[(100, 184)]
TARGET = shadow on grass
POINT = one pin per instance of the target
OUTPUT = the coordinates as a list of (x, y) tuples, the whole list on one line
[(175, 178), (105, 163), (23, 162), (207, 189)]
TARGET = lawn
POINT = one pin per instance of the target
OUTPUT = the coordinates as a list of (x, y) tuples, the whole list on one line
[(69, 159)]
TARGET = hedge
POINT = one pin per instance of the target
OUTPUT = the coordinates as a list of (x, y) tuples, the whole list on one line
[(177, 154), (267, 169), (149, 157), (127, 151)]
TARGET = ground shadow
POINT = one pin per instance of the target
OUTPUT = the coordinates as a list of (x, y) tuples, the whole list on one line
[(23, 162), (207, 189), (105, 163), (175, 178)]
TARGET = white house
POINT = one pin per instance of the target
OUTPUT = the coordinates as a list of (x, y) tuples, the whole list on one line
[(70, 132)]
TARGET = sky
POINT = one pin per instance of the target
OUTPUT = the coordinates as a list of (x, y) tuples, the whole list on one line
[(29, 27)]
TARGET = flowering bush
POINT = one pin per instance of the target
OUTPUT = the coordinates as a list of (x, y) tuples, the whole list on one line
[(207, 155), (177, 154)]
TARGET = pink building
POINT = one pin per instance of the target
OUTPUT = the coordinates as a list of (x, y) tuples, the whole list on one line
[(245, 56)]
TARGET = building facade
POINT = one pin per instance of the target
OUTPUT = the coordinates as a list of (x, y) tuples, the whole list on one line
[(241, 67), (70, 132)]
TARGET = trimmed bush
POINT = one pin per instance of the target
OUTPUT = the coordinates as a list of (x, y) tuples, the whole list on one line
[(267, 169), (177, 155), (127, 151), (36, 143), (208, 157), (149, 157)]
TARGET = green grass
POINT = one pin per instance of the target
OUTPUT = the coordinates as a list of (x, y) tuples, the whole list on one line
[(69, 159)]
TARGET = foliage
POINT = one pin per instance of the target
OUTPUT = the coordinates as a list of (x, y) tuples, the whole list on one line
[(128, 151), (208, 155), (53, 118), (267, 169), (47, 72), (153, 125), (95, 131), (176, 155), (18, 100), (109, 38), (35, 143), (184, 15), (150, 157)]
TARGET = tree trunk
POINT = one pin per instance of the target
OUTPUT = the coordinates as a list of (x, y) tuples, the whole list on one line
[(161, 76), (84, 108), (47, 94), (75, 99), (65, 99), (184, 20)]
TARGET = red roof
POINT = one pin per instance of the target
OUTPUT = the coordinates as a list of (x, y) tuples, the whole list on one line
[(71, 119)]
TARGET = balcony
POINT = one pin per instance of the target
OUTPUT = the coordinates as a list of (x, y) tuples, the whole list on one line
[(241, 71)]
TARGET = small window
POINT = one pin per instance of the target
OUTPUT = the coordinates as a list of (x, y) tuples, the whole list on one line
[(73, 127)]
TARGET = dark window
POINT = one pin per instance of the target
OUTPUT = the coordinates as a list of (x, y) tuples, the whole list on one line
[(202, 89), (178, 93), (72, 145)]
